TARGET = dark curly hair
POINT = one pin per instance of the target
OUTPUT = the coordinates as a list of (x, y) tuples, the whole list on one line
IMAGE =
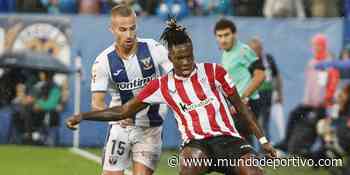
[(174, 34)]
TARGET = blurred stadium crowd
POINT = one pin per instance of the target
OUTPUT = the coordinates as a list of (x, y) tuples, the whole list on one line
[(35, 100), (183, 8), (322, 117)]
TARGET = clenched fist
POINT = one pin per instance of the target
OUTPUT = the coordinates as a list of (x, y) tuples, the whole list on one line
[(73, 121), (271, 152)]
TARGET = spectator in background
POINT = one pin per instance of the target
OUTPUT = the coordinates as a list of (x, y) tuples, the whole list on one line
[(345, 57), (320, 86), (60, 6), (9, 80), (149, 7), (343, 128), (347, 8), (91, 7), (46, 106), (211, 7), (248, 7), (272, 83), (7, 6), (284, 8), (133, 4), (345, 53), (23, 120), (343, 65), (170, 8), (36, 110), (326, 8), (335, 132), (29, 6)]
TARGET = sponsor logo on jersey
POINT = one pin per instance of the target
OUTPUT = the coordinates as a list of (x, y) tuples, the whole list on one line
[(134, 84), (193, 106), (118, 72)]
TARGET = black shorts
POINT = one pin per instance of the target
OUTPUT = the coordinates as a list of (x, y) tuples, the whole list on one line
[(222, 147)]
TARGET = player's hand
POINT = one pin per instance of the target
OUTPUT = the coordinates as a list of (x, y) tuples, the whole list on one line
[(126, 122), (73, 121), (271, 152)]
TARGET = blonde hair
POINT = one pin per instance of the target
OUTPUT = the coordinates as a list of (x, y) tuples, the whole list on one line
[(122, 10)]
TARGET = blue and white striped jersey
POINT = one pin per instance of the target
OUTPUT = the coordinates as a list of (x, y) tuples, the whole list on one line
[(124, 78)]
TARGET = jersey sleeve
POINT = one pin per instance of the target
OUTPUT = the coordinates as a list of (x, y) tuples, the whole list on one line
[(99, 77), (160, 53), (274, 68), (249, 56), (256, 65), (224, 80), (151, 93), (331, 87)]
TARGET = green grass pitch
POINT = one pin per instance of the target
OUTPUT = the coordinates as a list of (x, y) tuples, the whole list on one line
[(27, 160)]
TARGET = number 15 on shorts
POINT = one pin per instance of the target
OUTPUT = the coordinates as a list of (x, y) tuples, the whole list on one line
[(118, 147)]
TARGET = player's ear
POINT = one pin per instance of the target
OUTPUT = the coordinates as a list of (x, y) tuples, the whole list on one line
[(110, 28), (170, 55), (170, 58)]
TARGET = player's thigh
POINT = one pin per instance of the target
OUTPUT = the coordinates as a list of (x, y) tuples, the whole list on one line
[(117, 150), (248, 169), (112, 172), (146, 149), (141, 169), (226, 150), (189, 154)]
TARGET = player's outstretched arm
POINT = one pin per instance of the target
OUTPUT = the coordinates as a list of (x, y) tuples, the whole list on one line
[(250, 121), (110, 114), (248, 116)]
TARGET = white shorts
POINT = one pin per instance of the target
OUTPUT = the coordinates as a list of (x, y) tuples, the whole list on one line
[(124, 145)]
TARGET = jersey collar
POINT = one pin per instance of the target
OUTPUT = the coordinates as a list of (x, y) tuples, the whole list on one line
[(185, 78)]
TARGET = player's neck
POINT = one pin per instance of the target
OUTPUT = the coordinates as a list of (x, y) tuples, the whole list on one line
[(125, 53), (180, 76), (234, 42), (233, 45)]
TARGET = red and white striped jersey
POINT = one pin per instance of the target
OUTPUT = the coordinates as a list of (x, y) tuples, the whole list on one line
[(198, 101)]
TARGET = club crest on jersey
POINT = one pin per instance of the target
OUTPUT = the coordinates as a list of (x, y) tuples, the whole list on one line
[(146, 63), (189, 107)]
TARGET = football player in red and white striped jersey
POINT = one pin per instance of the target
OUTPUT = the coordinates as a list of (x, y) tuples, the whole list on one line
[(197, 93)]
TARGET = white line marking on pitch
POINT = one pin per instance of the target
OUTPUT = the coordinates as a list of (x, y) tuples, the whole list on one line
[(92, 157)]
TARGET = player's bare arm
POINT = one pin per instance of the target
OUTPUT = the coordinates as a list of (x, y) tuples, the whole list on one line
[(110, 114), (257, 79), (250, 120), (98, 101)]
